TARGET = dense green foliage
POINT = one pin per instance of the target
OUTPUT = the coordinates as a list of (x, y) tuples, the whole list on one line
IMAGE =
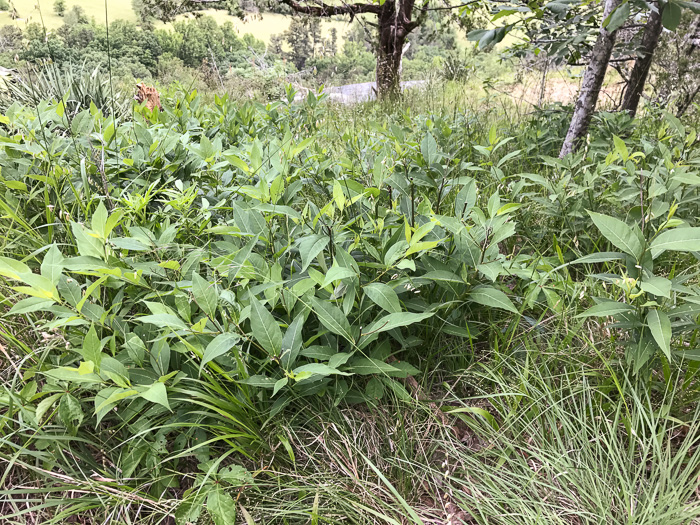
[(179, 284)]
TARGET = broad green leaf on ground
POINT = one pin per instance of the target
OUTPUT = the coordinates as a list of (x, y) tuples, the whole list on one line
[(221, 506), (157, 393)]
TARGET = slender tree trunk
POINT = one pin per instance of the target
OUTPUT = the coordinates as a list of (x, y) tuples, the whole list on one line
[(393, 31), (640, 71), (592, 82), (686, 101)]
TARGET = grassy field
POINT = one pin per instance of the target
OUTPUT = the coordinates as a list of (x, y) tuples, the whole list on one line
[(263, 27), (33, 11)]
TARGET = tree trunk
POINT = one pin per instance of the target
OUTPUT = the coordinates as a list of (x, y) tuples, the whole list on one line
[(592, 82), (685, 102), (393, 30), (640, 71), (690, 45)]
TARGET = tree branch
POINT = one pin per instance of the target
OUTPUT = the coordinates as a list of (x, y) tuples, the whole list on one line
[(447, 7), (329, 10)]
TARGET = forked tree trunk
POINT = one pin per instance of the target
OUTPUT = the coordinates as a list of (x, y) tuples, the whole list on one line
[(640, 71), (395, 20), (592, 82)]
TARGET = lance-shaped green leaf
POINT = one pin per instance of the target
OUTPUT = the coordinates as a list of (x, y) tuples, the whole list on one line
[(265, 329), (618, 233), (92, 347), (489, 296), (332, 318), (429, 149), (593, 258), (221, 344), (384, 296), (678, 239), (395, 320), (337, 273), (660, 328), (52, 265), (657, 285), (205, 294), (310, 247), (291, 342), (606, 308)]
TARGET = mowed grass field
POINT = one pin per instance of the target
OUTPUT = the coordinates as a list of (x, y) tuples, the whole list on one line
[(262, 27)]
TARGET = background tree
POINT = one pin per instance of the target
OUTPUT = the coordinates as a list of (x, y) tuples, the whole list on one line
[(301, 42), (394, 21), (640, 71), (592, 80), (76, 15), (676, 67), (59, 7), (563, 29)]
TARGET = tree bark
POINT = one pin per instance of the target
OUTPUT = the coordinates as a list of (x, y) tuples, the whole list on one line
[(640, 71), (592, 82), (392, 36), (394, 23)]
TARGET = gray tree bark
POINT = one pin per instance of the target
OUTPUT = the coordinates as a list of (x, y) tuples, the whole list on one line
[(592, 82), (640, 71)]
